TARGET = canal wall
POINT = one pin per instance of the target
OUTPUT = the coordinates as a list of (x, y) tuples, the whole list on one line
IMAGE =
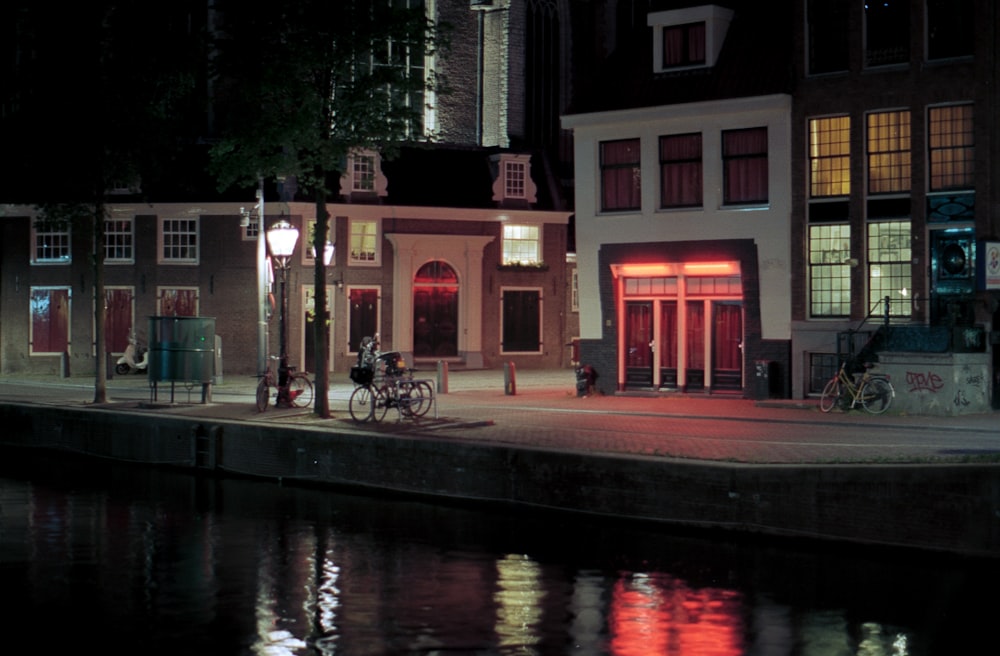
[(940, 507)]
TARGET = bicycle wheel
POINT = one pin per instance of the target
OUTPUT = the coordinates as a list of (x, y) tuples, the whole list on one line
[(384, 396), (426, 392), (361, 403), (263, 394), (876, 395), (411, 399), (831, 394), (300, 390)]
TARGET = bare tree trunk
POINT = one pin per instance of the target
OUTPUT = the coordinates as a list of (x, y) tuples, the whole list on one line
[(100, 300)]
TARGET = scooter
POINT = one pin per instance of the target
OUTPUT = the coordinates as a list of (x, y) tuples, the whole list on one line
[(127, 364)]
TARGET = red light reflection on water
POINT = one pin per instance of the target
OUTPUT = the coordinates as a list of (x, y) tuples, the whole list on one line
[(657, 614)]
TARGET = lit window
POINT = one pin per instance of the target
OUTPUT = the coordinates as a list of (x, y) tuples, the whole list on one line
[(830, 156), (364, 239), (681, 170), (830, 270), (744, 161), (889, 152), (118, 241), (621, 177), (51, 245), (521, 244), (889, 262), (179, 240), (951, 146)]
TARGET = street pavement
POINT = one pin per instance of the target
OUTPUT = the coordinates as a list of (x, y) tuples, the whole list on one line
[(541, 409)]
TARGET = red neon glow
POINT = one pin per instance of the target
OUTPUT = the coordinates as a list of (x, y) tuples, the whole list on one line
[(663, 616), (664, 269)]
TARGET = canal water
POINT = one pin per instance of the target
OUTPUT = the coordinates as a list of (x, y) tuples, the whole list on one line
[(103, 558)]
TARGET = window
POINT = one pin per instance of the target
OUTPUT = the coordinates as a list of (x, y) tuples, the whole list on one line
[(364, 239), (363, 178), (830, 156), (620, 175), (177, 301), (828, 36), (514, 175), (179, 241), (680, 170), (400, 58), (521, 244), (889, 261), (50, 312), (744, 162), (118, 241), (308, 241), (363, 319), (830, 270), (118, 317), (951, 146), (684, 45), (950, 27), (889, 152), (887, 32), (521, 313), (51, 245)]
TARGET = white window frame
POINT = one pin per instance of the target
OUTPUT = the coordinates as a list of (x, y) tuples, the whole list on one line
[(516, 244), (513, 178), (161, 240), (64, 237), (109, 247), (354, 176), (354, 257)]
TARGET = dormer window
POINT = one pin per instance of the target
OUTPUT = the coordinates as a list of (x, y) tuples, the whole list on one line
[(513, 178), (688, 38), (363, 175)]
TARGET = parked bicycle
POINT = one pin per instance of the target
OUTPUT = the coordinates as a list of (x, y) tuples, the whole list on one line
[(382, 382), (299, 389), (873, 392)]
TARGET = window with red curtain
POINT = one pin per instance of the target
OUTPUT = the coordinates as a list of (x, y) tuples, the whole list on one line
[(668, 335), (117, 319), (179, 302), (684, 45), (620, 175), (744, 162), (680, 170)]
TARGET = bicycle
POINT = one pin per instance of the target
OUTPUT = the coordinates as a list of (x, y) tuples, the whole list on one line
[(394, 388), (873, 391), (299, 389)]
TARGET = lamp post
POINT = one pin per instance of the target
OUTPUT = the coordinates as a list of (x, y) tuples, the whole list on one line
[(281, 238)]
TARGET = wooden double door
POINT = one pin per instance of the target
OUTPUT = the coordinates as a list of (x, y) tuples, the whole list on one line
[(669, 344)]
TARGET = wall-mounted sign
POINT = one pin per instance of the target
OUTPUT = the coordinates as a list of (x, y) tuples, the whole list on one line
[(991, 264)]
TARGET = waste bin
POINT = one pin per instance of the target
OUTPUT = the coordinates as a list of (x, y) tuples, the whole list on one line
[(764, 379), (586, 376), (182, 349)]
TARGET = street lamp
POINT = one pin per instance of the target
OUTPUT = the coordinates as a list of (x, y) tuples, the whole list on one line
[(281, 238)]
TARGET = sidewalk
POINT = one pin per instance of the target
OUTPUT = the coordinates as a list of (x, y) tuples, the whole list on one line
[(542, 410)]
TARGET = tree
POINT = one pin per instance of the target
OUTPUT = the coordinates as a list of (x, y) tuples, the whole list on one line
[(91, 107), (306, 85)]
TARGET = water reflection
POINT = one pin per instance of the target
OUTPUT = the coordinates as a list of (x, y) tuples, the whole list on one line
[(126, 560)]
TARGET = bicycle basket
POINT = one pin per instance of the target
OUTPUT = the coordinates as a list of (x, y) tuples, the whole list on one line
[(362, 375)]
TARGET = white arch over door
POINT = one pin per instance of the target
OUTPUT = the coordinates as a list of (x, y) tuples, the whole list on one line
[(465, 254)]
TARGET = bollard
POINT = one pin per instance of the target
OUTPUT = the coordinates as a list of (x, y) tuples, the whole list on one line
[(64, 365), (442, 377), (509, 379)]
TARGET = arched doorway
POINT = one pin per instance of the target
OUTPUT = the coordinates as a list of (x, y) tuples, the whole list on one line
[(435, 311)]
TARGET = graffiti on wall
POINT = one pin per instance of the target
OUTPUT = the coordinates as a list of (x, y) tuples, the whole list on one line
[(924, 382)]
